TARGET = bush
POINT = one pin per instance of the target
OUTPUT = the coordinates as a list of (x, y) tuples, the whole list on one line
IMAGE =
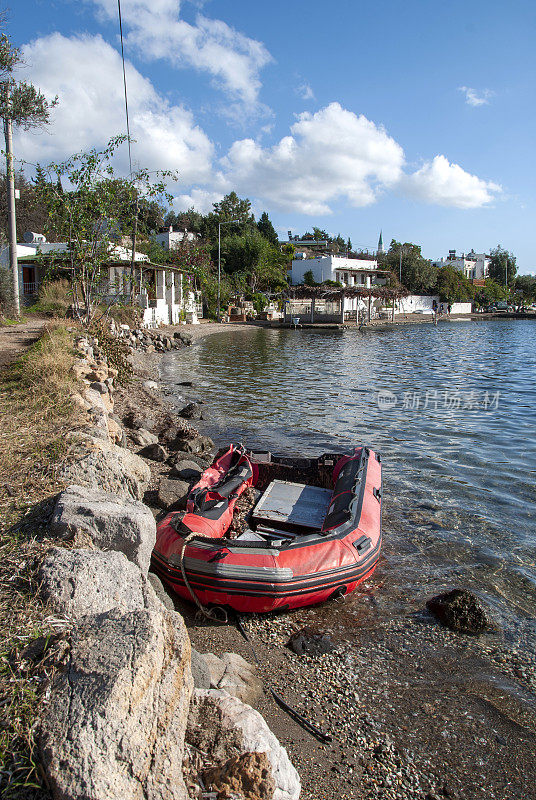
[(116, 350), (55, 298), (125, 315)]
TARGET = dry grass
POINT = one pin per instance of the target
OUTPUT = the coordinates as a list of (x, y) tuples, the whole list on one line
[(35, 414)]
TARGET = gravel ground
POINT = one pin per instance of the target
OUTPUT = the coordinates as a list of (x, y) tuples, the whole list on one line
[(414, 710)]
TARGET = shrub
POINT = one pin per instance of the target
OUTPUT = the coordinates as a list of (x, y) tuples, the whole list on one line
[(55, 298)]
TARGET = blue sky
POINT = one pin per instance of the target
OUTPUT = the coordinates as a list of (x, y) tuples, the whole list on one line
[(416, 118)]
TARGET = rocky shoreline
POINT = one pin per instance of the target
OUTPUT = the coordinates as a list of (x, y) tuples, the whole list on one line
[(130, 709), (413, 709)]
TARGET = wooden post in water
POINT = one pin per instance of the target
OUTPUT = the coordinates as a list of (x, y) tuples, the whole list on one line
[(369, 302), (342, 306), (313, 309)]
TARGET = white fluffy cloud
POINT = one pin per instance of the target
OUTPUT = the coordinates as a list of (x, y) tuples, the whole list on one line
[(474, 98), (331, 154), (86, 74), (156, 30), (445, 184)]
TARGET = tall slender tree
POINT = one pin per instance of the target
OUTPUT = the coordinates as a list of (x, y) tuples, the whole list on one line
[(21, 105)]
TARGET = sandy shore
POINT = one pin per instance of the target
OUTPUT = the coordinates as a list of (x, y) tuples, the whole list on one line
[(414, 710)]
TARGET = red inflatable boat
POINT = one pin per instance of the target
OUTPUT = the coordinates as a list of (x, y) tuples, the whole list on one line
[(305, 530)]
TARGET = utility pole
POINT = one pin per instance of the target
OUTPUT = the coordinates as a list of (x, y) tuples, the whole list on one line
[(400, 267), (11, 213), (133, 254)]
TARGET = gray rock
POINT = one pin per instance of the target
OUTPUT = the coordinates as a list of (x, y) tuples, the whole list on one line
[(109, 522), (197, 445), (200, 671), (187, 470), (234, 674), (177, 431), (136, 419), (225, 727), (201, 461), (143, 437), (100, 464), (78, 582), (184, 336), (113, 726), (459, 610), (99, 386), (160, 591), (311, 641), (172, 494), (155, 452), (191, 411)]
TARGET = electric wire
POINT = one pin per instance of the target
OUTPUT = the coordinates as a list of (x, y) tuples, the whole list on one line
[(124, 83)]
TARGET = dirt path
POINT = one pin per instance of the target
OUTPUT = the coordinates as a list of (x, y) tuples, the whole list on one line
[(14, 339)]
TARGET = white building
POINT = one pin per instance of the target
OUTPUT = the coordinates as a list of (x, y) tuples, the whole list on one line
[(474, 266), (348, 271), (160, 291), (171, 239), (354, 273)]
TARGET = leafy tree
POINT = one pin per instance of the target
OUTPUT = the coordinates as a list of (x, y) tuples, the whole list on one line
[(500, 260), (30, 215), (253, 261), (91, 214), (339, 244), (453, 286), (308, 278), (191, 220), (230, 208), (233, 207), (490, 293), (418, 274), (319, 234), (267, 229), (526, 285)]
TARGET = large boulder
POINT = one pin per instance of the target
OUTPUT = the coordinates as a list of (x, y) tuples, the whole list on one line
[(186, 470), (154, 451), (198, 445), (99, 464), (227, 728), (459, 610), (234, 674), (172, 494), (191, 411), (113, 726), (107, 522), (79, 582), (248, 775), (143, 437)]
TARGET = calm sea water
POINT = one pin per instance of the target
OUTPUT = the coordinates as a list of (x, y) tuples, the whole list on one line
[(451, 409)]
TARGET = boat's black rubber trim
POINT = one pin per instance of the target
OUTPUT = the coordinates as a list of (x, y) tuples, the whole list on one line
[(268, 589), (295, 715), (317, 577)]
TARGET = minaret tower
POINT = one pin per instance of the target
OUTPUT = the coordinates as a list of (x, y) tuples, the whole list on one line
[(380, 244)]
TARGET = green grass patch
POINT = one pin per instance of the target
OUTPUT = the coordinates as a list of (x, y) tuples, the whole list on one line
[(36, 413)]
